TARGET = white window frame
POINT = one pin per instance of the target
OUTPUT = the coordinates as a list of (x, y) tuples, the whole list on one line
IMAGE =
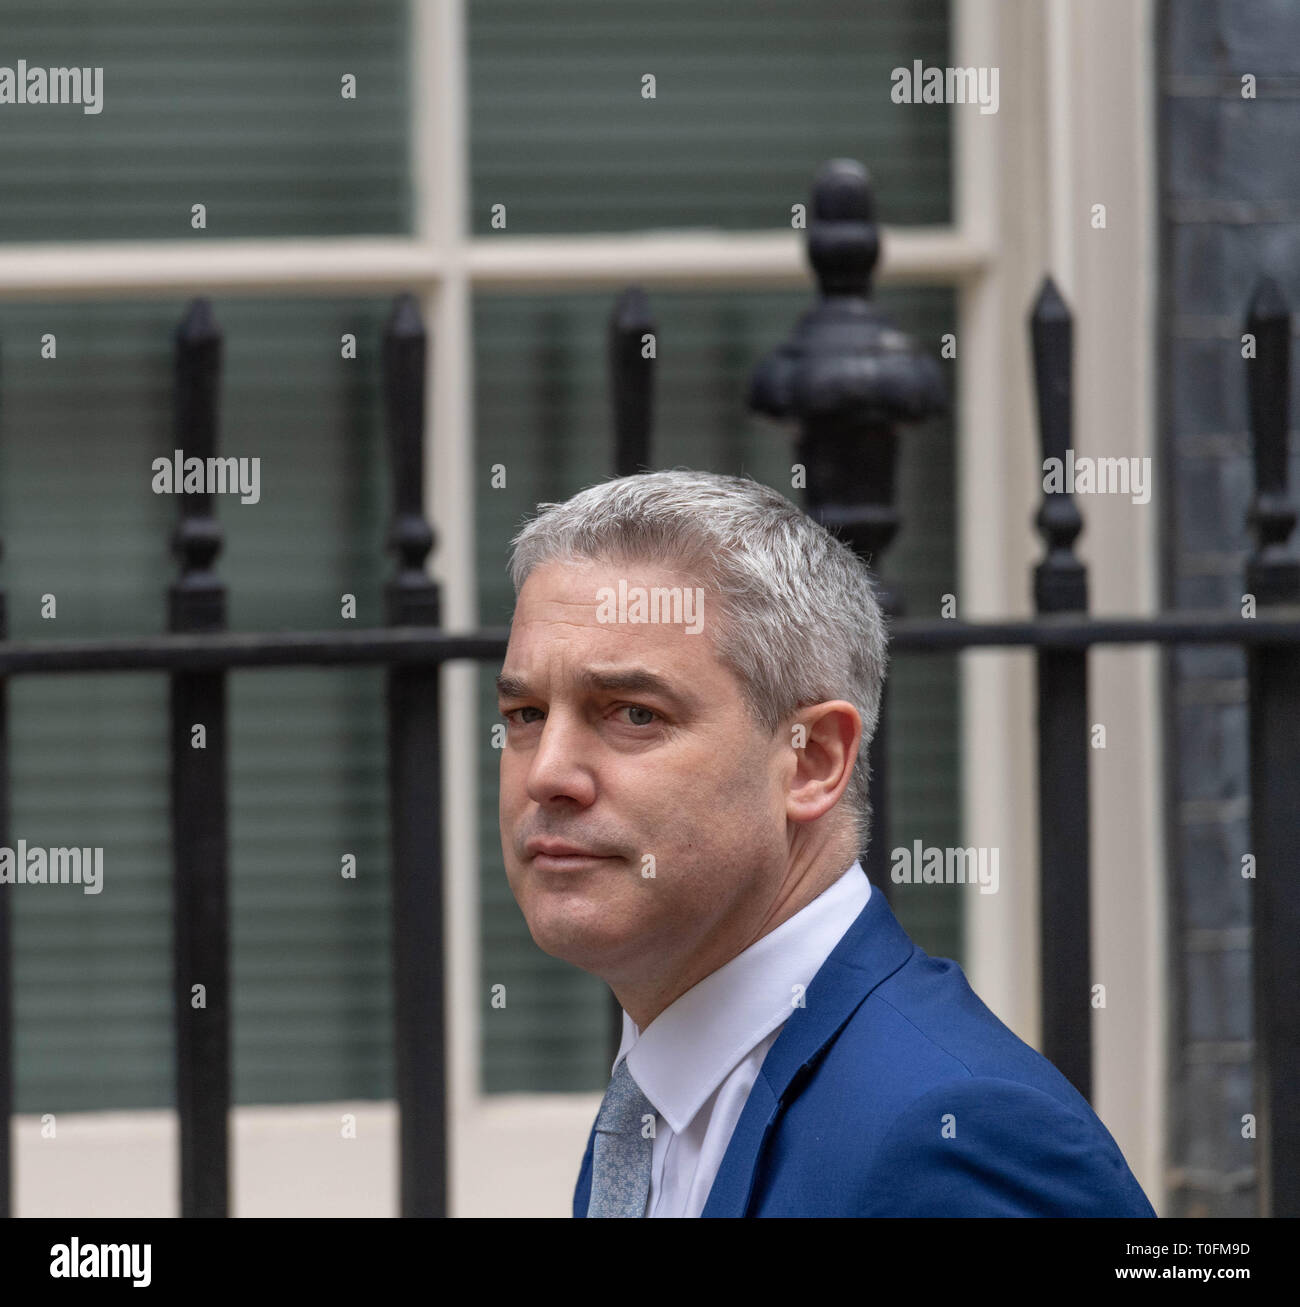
[(1078, 86), (519, 1154)]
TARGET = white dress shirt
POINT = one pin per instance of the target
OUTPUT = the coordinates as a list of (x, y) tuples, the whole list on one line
[(698, 1059)]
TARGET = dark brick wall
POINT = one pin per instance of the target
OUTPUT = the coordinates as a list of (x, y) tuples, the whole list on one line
[(1229, 186)]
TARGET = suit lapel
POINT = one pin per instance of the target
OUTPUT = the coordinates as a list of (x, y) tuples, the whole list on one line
[(582, 1191), (872, 949)]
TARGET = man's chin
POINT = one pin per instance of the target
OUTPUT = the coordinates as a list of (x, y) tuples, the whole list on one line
[(589, 949), (587, 936)]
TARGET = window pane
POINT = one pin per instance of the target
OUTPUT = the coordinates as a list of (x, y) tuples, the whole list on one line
[(542, 410), (89, 764), (747, 100), (232, 104)]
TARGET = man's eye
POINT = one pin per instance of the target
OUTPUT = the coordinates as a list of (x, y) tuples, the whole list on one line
[(649, 719), (636, 707)]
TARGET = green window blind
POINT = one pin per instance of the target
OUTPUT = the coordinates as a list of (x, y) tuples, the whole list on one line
[(542, 411), (233, 104), (748, 99)]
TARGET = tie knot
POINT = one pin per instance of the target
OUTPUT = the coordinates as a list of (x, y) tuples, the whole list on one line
[(624, 1105)]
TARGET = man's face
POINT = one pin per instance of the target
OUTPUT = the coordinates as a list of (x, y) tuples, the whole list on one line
[(673, 779)]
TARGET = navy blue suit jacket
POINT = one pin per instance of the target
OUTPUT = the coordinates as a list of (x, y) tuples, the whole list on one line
[(895, 1092)]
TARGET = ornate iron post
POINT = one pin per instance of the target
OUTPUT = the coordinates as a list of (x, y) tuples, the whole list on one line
[(1061, 586), (196, 602), (849, 379), (414, 788)]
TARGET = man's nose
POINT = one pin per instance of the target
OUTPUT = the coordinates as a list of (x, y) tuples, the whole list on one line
[(561, 766)]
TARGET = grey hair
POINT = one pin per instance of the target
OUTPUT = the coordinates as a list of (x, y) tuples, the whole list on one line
[(800, 620)]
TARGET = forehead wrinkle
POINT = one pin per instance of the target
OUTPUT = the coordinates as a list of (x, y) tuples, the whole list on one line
[(538, 612)]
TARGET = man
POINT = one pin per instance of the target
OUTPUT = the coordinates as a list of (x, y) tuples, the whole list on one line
[(692, 680)]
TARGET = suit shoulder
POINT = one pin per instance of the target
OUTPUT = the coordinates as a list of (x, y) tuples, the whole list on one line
[(938, 1029), (926, 1103)]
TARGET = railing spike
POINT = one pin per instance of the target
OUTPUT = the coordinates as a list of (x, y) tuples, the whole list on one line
[(631, 380)]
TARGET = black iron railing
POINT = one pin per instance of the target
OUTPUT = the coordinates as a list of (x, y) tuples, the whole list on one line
[(847, 380)]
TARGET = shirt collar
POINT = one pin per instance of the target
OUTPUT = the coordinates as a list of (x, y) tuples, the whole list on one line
[(681, 1058)]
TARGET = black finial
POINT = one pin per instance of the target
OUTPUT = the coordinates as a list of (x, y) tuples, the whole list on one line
[(843, 241), (847, 376), (631, 380), (1060, 580), (198, 325), (197, 599), (844, 357), (412, 598)]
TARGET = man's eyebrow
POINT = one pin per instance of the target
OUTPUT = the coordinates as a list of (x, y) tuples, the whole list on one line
[(511, 687), (630, 680)]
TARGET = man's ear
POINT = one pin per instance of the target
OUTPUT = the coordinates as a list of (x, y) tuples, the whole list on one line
[(824, 738)]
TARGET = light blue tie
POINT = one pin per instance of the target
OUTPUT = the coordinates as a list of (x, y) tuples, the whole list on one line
[(620, 1170)]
